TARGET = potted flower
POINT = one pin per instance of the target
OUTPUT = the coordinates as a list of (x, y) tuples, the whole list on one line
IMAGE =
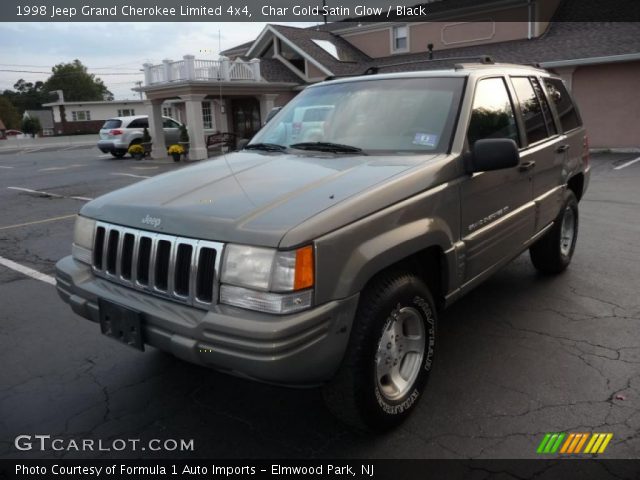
[(146, 141), (184, 139), (176, 151), (136, 151)]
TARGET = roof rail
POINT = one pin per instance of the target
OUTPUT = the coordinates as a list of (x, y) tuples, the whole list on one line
[(483, 59)]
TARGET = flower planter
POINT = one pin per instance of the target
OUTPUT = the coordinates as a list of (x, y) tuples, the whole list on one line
[(147, 148), (138, 156), (176, 157), (185, 145)]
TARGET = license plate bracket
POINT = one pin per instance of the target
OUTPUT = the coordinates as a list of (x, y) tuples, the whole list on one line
[(121, 323)]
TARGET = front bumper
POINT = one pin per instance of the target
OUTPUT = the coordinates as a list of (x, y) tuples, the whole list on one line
[(300, 349)]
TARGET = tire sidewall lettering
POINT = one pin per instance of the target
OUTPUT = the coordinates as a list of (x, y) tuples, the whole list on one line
[(424, 307)]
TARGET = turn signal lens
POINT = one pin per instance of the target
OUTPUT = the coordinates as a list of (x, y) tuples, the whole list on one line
[(304, 268)]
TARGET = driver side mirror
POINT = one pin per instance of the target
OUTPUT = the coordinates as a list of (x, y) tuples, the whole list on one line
[(493, 154)]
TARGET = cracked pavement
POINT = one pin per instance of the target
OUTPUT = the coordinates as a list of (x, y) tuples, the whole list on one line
[(520, 356)]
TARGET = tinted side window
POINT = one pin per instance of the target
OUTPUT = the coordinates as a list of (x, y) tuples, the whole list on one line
[(168, 123), (564, 105), (139, 123), (492, 115), (534, 121), (546, 110)]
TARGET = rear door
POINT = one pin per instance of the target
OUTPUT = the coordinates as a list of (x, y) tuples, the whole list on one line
[(546, 150), (497, 212)]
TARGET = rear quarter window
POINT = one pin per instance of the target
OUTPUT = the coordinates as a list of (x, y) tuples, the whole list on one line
[(567, 112), (112, 123), (139, 123)]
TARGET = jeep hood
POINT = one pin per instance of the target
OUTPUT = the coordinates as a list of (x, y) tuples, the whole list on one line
[(246, 197)]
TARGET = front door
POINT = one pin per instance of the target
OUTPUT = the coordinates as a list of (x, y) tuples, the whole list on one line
[(497, 212), (245, 114)]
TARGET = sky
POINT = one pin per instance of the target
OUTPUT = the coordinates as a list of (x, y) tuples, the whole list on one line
[(112, 48)]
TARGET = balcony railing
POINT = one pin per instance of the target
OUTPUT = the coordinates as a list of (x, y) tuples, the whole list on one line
[(223, 70)]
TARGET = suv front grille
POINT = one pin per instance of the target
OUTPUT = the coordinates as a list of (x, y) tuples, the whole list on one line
[(178, 268)]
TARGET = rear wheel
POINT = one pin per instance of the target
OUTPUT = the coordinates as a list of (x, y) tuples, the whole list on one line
[(553, 252), (389, 356)]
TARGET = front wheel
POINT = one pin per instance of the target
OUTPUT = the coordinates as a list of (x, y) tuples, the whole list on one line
[(389, 356), (553, 252)]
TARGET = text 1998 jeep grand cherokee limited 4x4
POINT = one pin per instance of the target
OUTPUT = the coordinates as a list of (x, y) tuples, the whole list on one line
[(325, 259)]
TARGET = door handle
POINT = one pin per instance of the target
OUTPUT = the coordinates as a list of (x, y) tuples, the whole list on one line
[(562, 148), (526, 166)]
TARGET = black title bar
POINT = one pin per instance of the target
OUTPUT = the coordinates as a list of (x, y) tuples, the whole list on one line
[(202, 469), (314, 10)]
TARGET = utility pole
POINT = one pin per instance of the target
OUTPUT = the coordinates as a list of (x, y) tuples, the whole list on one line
[(139, 84)]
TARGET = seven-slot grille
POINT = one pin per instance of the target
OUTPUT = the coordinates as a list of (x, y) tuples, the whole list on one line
[(179, 268)]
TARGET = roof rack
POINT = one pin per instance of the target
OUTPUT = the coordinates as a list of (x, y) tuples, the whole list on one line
[(483, 59)]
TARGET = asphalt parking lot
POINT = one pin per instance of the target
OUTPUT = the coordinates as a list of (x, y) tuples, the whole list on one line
[(520, 356)]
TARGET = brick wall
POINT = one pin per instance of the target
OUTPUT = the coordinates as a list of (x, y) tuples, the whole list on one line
[(70, 128)]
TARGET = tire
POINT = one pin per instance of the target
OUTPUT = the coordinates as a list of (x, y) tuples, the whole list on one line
[(553, 252), (396, 318)]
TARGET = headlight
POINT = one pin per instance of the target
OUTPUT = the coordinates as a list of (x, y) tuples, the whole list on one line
[(83, 233), (263, 278)]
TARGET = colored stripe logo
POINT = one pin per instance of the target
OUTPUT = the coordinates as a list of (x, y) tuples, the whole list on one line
[(574, 443)]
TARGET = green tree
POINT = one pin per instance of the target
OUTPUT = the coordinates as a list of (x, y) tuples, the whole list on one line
[(31, 125), (76, 83), (27, 95), (9, 114)]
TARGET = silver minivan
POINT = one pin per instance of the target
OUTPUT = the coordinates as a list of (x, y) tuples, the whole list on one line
[(119, 133)]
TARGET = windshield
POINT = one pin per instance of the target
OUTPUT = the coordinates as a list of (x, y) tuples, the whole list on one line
[(397, 115)]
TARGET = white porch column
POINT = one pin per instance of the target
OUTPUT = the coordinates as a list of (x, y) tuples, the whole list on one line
[(267, 102), (190, 66), (224, 69), (193, 107), (167, 69), (159, 147), (255, 68), (147, 73)]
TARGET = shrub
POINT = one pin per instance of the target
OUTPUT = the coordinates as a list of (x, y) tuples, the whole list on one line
[(175, 149), (184, 134), (136, 149)]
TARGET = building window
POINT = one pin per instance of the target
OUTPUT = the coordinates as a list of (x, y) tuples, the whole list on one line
[(292, 57), (126, 112), (207, 119), (167, 112), (400, 38), (80, 115)]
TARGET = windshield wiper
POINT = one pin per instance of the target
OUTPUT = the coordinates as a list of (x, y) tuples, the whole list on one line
[(326, 147), (267, 147)]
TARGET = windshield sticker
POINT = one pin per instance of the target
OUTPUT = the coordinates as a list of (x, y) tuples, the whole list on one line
[(426, 139)]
